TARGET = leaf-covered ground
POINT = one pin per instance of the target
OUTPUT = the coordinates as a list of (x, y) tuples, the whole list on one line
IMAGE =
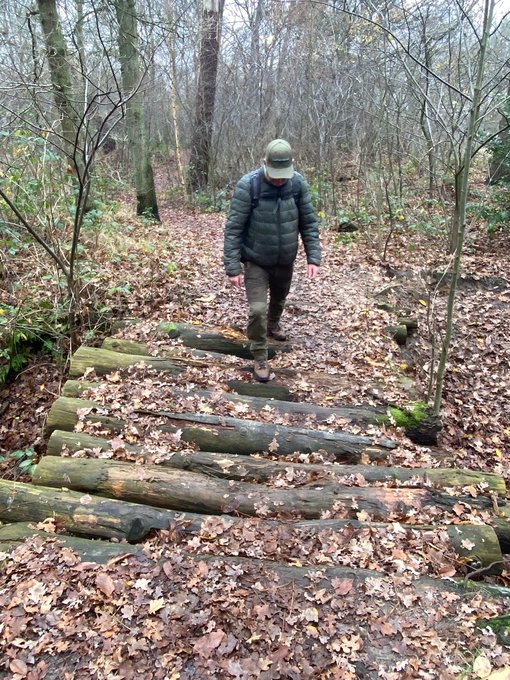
[(188, 614)]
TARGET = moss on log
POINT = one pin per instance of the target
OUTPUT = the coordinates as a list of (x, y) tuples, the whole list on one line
[(420, 423), (255, 469)]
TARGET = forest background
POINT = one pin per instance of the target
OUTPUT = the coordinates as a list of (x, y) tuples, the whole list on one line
[(397, 111)]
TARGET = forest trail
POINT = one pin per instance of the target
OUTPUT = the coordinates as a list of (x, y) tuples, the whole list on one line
[(248, 530)]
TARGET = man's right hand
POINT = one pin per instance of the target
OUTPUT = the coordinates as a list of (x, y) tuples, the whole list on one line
[(236, 281)]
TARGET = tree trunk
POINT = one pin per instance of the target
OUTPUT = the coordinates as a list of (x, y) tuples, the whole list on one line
[(60, 74), (255, 469), (128, 42), (229, 435), (192, 492), (461, 196), (200, 154)]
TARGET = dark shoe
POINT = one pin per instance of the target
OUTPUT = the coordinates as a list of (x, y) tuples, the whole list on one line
[(277, 334), (261, 370)]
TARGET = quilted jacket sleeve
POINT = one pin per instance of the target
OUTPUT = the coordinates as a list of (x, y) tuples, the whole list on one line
[(238, 216), (308, 226)]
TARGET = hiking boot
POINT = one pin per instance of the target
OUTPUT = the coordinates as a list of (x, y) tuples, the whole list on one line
[(261, 370), (277, 334)]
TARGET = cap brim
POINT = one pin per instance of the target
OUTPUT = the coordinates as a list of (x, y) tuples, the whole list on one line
[(280, 173)]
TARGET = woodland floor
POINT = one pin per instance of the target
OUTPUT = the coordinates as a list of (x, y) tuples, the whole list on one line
[(197, 619)]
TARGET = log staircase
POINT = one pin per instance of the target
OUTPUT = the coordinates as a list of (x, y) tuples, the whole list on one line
[(118, 471)]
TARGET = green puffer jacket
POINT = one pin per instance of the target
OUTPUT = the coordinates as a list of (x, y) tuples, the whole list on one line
[(268, 234)]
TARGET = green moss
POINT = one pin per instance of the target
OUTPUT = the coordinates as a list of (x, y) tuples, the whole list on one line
[(409, 416), (171, 329), (499, 624)]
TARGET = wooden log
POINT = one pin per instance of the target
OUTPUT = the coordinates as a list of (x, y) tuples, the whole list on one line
[(12, 535), (255, 469), (88, 515), (103, 362), (141, 349), (224, 341), (238, 436), (75, 388), (64, 415), (355, 414), (269, 390), (79, 513), (229, 435), (292, 575), (192, 492), (243, 437)]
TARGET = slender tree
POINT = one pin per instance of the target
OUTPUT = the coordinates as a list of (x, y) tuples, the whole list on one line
[(132, 76)]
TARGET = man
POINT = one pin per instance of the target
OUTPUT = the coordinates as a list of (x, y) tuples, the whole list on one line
[(269, 208)]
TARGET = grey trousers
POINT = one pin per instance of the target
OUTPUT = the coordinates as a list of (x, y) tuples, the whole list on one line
[(258, 282)]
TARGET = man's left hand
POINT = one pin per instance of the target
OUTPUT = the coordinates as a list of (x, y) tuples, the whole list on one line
[(313, 271)]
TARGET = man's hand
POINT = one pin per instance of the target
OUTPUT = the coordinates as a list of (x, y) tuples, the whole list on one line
[(313, 271), (236, 281)]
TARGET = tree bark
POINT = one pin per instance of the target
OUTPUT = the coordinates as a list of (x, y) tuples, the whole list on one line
[(229, 435), (129, 48), (260, 470), (60, 74), (192, 492), (200, 153)]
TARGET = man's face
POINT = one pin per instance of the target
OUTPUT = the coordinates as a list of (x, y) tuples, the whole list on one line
[(274, 182)]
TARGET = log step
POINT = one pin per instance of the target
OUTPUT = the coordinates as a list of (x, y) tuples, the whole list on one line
[(256, 469), (89, 515), (224, 341), (229, 435), (193, 492)]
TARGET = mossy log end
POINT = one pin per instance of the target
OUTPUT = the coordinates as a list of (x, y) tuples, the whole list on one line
[(256, 469), (215, 340), (104, 361), (398, 333), (420, 423), (193, 492), (11, 535)]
